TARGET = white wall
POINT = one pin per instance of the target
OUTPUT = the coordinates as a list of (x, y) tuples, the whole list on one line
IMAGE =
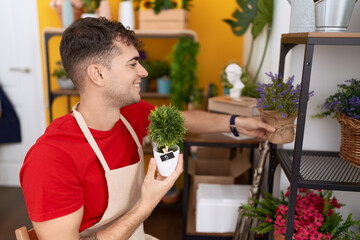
[(331, 65)]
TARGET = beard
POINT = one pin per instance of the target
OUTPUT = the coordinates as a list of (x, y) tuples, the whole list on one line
[(121, 99)]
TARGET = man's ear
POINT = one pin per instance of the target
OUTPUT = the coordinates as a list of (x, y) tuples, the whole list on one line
[(95, 74)]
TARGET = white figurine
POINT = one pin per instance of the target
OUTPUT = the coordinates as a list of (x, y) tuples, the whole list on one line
[(233, 73)]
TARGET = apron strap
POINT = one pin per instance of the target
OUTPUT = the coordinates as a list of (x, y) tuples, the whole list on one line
[(81, 122), (131, 130)]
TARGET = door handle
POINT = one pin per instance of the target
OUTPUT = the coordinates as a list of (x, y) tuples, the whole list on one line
[(17, 69)]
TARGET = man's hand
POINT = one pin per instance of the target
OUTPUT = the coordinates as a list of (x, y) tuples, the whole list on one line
[(253, 127), (156, 186)]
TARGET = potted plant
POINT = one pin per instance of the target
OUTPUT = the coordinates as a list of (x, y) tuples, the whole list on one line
[(278, 104), (345, 105), (196, 99), (166, 130), (62, 77), (315, 216), (183, 71), (163, 14), (225, 83), (160, 70)]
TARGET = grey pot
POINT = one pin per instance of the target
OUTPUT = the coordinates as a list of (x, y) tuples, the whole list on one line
[(333, 15)]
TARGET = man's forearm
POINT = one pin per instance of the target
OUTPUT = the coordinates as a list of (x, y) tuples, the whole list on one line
[(125, 226), (197, 121)]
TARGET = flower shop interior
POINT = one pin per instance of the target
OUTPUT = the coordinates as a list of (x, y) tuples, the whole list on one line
[(243, 36)]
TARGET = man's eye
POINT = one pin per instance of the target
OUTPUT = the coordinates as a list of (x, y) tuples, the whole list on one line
[(133, 64)]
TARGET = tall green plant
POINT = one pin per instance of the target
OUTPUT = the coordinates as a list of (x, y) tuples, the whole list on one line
[(183, 71), (259, 13)]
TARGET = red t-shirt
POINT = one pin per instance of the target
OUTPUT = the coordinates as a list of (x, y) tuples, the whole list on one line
[(61, 172)]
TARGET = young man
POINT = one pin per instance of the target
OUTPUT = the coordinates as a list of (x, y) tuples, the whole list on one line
[(84, 178)]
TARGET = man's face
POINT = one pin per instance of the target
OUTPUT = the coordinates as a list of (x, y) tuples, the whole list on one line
[(125, 75)]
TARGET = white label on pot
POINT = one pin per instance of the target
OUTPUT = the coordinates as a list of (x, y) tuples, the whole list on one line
[(167, 156)]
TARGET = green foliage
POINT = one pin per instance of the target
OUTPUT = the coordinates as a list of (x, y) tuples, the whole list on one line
[(158, 69), (167, 127), (259, 13), (91, 5), (197, 95), (244, 17), (249, 90), (159, 5), (224, 81), (183, 71), (60, 72), (265, 208), (264, 16)]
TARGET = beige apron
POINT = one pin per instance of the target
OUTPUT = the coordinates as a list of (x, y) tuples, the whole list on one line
[(124, 184)]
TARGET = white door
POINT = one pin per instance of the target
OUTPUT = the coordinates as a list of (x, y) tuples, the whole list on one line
[(21, 79)]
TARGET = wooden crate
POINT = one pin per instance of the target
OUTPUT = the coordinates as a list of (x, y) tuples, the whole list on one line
[(170, 19)]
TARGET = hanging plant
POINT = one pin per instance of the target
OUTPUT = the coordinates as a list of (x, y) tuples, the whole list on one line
[(183, 71)]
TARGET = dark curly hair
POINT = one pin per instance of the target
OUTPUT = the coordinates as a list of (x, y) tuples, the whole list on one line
[(91, 40)]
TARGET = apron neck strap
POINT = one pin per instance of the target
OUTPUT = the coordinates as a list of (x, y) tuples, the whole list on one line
[(131, 130), (84, 128)]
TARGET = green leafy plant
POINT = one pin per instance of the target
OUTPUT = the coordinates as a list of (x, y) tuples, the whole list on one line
[(183, 71), (224, 81), (249, 90), (159, 5), (159, 68), (259, 13), (91, 5), (167, 127), (315, 216), (60, 72)]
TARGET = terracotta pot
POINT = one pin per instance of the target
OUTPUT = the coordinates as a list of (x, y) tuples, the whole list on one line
[(278, 236), (284, 132)]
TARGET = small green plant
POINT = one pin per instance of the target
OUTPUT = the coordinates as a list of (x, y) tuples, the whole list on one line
[(90, 6), (183, 71), (159, 68), (159, 5), (60, 72), (224, 81), (167, 127)]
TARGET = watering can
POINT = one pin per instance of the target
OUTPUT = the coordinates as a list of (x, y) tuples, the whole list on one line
[(302, 17)]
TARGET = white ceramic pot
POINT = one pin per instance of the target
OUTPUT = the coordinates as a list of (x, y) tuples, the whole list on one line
[(65, 83), (126, 14), (166, 162)]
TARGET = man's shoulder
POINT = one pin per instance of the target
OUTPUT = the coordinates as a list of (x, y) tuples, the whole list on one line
[(141, 108)]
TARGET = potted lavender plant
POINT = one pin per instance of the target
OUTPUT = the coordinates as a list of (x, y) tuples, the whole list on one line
[(345, 105), (278, 104)]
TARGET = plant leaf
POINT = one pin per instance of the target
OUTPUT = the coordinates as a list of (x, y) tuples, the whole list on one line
[(243, 17), (264, 16)]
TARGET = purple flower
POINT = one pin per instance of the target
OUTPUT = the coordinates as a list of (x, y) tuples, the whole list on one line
[(280, 95)]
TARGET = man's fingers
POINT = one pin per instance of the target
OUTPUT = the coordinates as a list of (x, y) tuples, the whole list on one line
[(151, 167)]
